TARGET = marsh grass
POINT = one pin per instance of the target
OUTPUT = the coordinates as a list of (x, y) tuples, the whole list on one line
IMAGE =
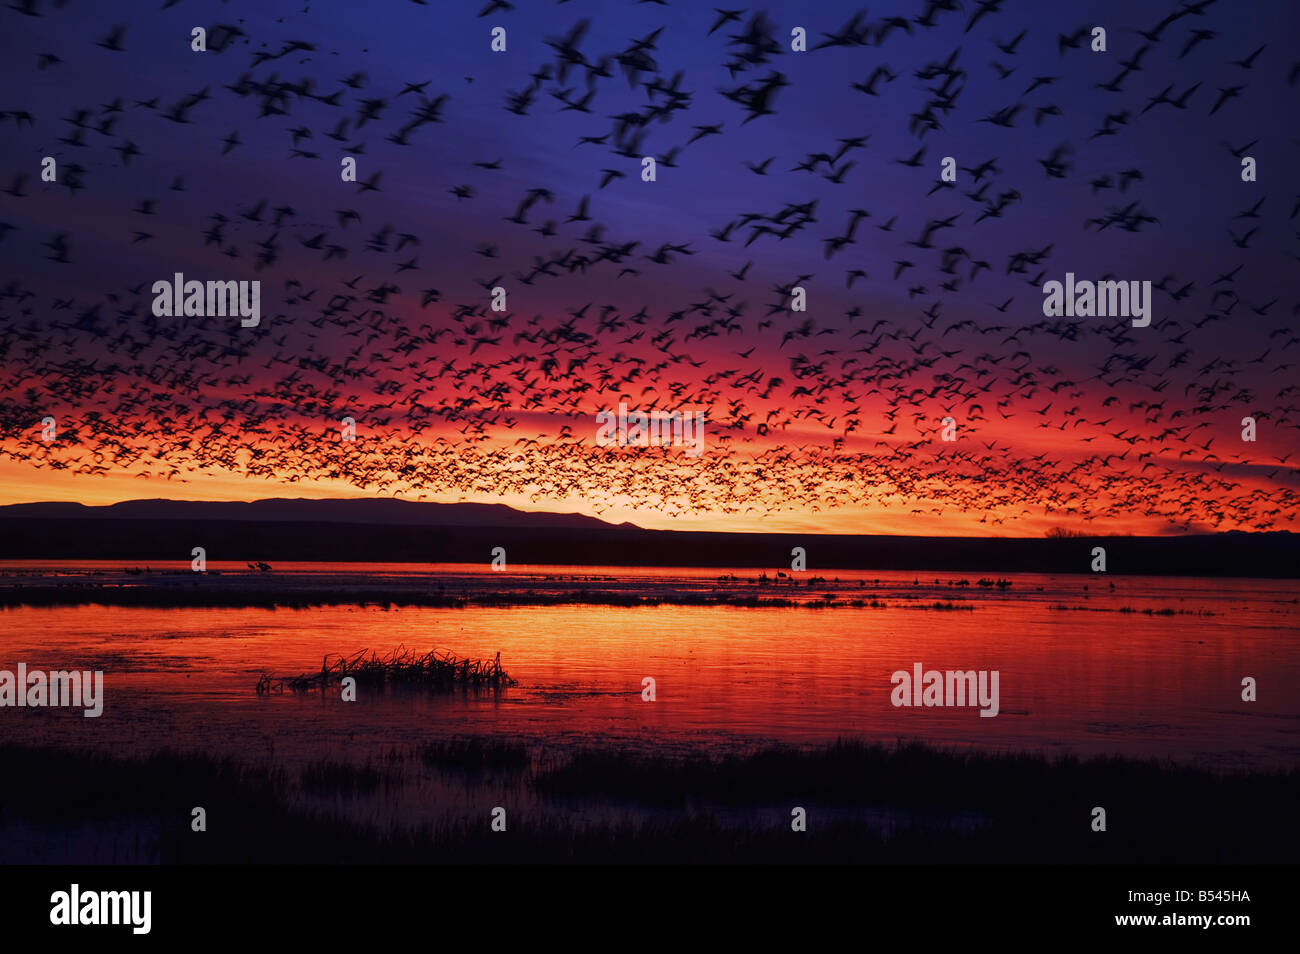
[(402, 667), (475, 754), (329, 777), (1031, 809)]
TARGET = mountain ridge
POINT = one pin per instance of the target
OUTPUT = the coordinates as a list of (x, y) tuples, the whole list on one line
[(348, 510)]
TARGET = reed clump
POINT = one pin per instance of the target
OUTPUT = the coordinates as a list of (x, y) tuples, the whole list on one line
[(401, 668)]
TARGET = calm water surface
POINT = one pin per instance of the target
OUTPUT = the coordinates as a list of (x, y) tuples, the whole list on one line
[(1077, 674)]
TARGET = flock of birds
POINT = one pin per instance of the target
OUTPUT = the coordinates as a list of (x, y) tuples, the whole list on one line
[(1058, 419)]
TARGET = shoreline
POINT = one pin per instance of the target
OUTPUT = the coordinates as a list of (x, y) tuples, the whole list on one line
[(295, 588), (306, 598)]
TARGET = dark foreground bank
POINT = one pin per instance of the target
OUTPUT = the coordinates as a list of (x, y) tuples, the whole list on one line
[(862, 803)]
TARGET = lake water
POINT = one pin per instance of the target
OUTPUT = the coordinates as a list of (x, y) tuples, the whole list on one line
[(1087, 664)]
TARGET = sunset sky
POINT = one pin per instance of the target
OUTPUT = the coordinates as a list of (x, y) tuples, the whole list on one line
[(824, 420)]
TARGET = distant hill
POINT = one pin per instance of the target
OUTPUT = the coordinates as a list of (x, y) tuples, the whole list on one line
[(403, 531), (374, 512)]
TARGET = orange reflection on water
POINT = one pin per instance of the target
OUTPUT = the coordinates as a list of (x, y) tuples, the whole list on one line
[(1076, 673)]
